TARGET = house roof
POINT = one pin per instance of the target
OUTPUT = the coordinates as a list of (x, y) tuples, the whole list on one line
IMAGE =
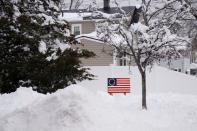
[(193, 66), (91, 36), (113, 10), (83, 14)]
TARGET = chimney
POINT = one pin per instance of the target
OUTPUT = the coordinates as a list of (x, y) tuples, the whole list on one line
[(106, 5), (136, 15)]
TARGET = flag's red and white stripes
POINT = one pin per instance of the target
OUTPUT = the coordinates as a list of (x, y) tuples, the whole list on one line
[(122, 86)]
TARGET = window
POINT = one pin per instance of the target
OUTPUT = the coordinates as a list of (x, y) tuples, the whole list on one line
[(76, 29), (193, 71), (123, 60)]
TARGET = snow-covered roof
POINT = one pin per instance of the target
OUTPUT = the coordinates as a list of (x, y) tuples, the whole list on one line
[(193, 66), (74, 16), (84, 14), (112, 10), (91, 36)]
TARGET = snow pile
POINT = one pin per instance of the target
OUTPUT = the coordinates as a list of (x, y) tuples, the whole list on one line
[(55, 112), (92, 36), (193, 66), (23, 97), (90, 108)]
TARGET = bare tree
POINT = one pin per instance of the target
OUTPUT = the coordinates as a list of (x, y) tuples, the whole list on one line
[(71, 3), (193, 9), (149, 40), (78, 3)]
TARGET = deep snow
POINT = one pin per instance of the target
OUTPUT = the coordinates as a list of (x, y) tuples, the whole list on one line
[(172, 105)]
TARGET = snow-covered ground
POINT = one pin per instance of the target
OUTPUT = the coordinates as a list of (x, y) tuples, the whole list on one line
[(171, 99)]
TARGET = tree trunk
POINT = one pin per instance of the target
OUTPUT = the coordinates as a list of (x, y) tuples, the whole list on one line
[(71, 3), (143, 75)]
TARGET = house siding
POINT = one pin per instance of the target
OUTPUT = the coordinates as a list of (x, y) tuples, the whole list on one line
[(104, 52), (87, 26), (104, 56), (193, 56)]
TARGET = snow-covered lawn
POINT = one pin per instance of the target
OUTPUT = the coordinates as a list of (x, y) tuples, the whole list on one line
[(172, 105)]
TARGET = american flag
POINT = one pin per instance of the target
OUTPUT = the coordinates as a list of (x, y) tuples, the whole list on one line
[(118, 85)]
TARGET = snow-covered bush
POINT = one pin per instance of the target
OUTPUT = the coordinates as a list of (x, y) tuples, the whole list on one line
[(35, 47)]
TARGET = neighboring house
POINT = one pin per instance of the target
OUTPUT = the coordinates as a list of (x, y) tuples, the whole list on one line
[(193, 56), (187, 63), (181, 65), (193, 69), (83, 26)]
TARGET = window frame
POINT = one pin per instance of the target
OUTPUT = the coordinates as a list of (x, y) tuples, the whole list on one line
[(123, 59), (76, 25)]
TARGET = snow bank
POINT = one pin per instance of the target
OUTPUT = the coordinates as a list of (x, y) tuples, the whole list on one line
[(90, 108), (160, 80), (23, 97), (56, 112)]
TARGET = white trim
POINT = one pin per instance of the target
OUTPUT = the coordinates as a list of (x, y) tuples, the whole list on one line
[(79, 20), (90, 39), (74, 25), (115, 61)]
